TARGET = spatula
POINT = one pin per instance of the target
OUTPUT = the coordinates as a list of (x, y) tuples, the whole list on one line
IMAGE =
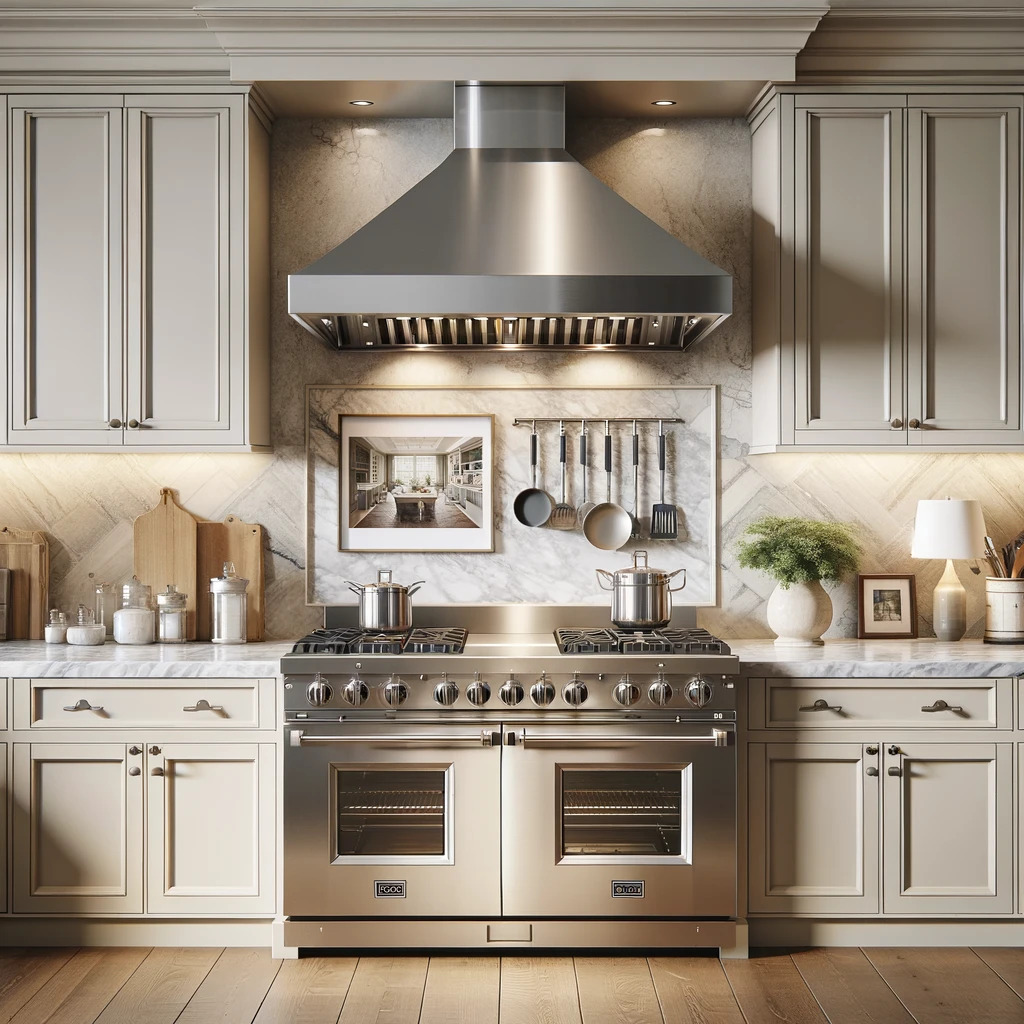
[(563, 515), (664, 518)]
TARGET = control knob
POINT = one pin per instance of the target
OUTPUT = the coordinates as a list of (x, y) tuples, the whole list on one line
[(511, 692), (660, 690), (478, 692), (355, 692), (446, 693), (625, 692), (395, 692), (575, 691), (542, 693), (319, 692), (698, 691)]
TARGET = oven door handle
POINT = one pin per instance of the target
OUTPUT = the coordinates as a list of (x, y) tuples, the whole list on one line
[(717, 738), (485, 738)]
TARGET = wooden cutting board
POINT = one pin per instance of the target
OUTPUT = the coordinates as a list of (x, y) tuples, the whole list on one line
[(241, 543), (27, 554), (165, 552)]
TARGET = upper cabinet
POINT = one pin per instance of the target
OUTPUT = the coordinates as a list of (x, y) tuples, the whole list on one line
[(886, 272), (139, 273)]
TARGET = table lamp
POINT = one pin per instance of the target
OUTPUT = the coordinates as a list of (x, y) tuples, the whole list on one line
[(949, 528)]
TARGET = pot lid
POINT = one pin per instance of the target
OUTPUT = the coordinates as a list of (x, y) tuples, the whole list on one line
[(641, 575)]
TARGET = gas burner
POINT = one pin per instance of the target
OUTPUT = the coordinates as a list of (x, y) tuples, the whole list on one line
[(637, 641), (327, 641), (585, 641), (442, 640), (694, 641), (351, 640), (377, 643)]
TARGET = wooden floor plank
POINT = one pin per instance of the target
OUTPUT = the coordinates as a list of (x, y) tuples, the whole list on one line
[(947, 986), (769, 989), (694, 990), (616, 990), (386, 989), (461, 990), (848, 988), (158, 991), (309, 991), (234, 990), (23, 972), (1008, 963), (80, 991), (538, 990)]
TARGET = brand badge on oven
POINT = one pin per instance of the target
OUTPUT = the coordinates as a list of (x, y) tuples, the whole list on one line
[(633, 890), (390, 889)]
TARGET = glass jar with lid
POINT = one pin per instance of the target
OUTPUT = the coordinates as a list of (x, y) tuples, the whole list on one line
[(228, 607), (135, 621), (171, 616), (107, 601)]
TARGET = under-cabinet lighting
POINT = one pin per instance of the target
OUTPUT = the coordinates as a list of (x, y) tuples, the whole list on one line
[(663, 103), (360, 103)]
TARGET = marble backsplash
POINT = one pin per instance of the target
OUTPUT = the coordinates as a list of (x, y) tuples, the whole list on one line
[(329, 178)]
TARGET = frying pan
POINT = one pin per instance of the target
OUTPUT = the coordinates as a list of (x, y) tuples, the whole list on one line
[(533, 506), (607, 526)]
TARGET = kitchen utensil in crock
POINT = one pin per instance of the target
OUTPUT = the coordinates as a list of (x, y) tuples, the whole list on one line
[(641, 595), (384, 606), (664, 518), (1018, 565), (585, 505), (635, 527), (533, 506), (563, 515), (607, 525)]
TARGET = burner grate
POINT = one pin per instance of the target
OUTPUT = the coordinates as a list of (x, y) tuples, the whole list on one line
[(443, 640), (351, 640), (377, 643), (694, 641), (327, 641), (585, 641), (638, 641)]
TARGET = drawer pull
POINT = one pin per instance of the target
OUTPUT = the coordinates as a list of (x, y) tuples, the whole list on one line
[(895, 771), (83, 705), (941, 705), (203, 705), (822, 705), (872, 771), (134, 771)]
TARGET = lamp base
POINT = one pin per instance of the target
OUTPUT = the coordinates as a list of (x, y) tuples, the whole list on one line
[(949, 606)]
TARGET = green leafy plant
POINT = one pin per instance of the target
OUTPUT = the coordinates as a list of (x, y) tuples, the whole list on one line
[(794, 550)]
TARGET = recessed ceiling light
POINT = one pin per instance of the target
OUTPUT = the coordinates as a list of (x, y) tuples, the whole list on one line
[(360, 103), (663, 103)]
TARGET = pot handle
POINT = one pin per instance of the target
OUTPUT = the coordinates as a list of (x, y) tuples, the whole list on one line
[(672, 590), (600, 582), (636, 560), (382, 573), (413, 587), (356, 588)]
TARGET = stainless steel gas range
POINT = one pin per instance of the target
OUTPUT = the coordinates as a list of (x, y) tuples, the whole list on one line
[(559, 784)]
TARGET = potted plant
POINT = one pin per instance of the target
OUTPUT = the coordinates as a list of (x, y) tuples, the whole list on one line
[(799, 554)]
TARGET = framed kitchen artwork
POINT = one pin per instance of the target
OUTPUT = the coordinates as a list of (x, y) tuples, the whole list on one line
[(416, 483), (886, 607)]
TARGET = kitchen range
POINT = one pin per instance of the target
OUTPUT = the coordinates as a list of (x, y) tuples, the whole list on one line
[(509, 776)]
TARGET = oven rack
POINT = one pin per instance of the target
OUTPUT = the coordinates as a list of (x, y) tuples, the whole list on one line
[(409, 801), (619, 801)]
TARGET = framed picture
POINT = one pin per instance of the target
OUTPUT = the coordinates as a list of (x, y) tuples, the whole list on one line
[(416, 483), (886, 607)]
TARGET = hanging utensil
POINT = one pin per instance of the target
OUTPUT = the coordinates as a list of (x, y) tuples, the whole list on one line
[(664, 518), (563, 517), (533, 506), (635, 526), (584, 506), (607, 526)]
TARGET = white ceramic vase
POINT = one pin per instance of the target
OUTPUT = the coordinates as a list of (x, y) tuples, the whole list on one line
[(799, 614)]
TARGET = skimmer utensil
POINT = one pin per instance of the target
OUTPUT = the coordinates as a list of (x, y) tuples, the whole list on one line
[(607, 526), (664, 518), (584, 506), (563, 516), (636, 529)]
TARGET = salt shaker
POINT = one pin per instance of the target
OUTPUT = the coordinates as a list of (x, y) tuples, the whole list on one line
[(170, 607), (107, 601), (135, 621), (228, 607), (56, 630), (87, 632)]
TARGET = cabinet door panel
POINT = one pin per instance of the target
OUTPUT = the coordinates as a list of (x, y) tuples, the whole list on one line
[(211, 829), (65, 352), (813, 820), (964, 272), (77, 828), (179, 324), (948, 829), (849, 357)]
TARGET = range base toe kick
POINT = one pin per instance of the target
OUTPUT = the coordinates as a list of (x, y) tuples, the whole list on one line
[(509, 795)]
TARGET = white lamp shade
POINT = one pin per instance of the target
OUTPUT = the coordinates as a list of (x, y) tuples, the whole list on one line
[(949, 528)]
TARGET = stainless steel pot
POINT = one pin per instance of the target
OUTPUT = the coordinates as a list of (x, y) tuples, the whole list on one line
[(641, 596), (384, 606)]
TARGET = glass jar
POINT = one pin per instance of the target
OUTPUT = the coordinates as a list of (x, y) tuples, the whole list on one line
[(86, 632), (171, 615), (56, 630), (228, 606), (135, 621), (107, 600)]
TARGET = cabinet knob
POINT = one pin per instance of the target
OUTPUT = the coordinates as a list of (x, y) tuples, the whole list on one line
[(115, 423), (154, 749), (160, 771), (872, 771), (134, 424), (914, 424), (896, 424), (893, 749), (895, 771), (135, 750), (872, 750), (134, 771)]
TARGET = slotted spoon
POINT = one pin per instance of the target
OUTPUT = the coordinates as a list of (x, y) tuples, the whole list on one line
[(664, 518), (563, 516), (636, 530)]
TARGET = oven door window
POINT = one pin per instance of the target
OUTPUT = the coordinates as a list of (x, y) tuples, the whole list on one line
[(392, 815), (625, 815)]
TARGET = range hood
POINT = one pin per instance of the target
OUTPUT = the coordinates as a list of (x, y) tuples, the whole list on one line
[(510, 243)]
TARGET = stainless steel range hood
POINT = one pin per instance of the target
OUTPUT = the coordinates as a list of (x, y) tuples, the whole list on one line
[(510, 243)]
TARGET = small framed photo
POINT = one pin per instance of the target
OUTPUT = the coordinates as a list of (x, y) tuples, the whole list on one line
[(886, 607)]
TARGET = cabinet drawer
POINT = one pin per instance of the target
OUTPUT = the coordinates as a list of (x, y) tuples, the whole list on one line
[(797, 703), (131, 703)]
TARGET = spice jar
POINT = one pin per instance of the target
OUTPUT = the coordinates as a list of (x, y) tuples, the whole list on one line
[(87, 632), (228, 606), (107, 601), (170, 609), (135, 621), (56, 630)]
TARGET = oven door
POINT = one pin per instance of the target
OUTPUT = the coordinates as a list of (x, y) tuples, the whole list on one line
[(632, 819), (394, 820)]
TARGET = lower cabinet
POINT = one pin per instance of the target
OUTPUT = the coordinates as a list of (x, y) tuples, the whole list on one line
[(127, 828), (914, 828)]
